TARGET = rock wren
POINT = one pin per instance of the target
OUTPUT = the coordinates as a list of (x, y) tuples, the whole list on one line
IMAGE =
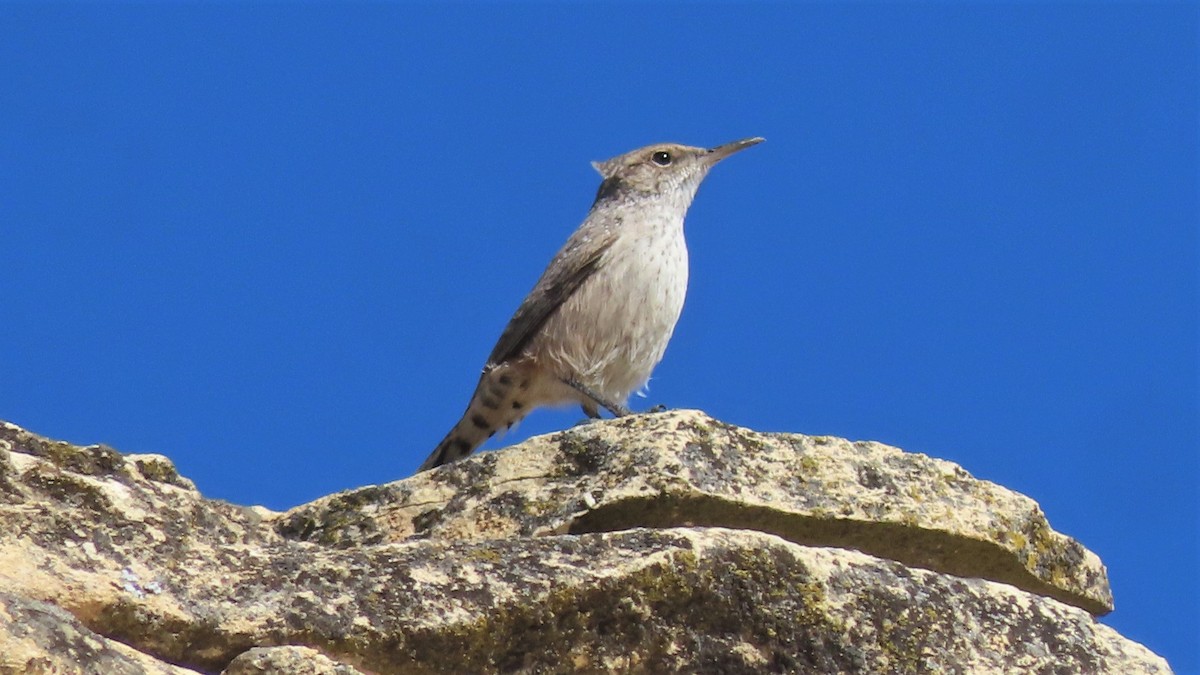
[(598, 320)]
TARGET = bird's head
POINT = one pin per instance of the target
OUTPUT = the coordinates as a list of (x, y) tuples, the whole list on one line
[(664, 170)]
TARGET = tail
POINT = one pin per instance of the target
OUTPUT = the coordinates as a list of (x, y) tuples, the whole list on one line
[(497, 403)]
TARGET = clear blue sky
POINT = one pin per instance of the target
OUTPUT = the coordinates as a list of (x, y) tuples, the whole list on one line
[(277, 242)]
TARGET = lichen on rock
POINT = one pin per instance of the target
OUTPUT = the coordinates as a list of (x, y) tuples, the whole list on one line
[(649, 544)]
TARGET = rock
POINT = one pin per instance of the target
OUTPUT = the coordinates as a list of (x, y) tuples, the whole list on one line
[(683, 468), (37, 637), (657, 543), (291, 660)]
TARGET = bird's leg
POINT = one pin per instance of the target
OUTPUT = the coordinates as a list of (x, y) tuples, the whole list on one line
[(616, 409), (591, 410)]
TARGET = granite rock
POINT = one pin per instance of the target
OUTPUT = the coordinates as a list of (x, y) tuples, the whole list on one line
[(657, 543)]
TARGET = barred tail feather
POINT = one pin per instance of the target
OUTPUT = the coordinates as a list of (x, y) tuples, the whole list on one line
[(495, 405)]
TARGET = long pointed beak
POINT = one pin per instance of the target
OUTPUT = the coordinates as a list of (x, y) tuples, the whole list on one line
[(722, 151)]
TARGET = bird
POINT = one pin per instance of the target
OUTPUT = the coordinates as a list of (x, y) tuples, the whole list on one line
[(598, 320)]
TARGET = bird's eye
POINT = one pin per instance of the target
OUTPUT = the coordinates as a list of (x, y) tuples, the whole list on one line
[(661, 158)]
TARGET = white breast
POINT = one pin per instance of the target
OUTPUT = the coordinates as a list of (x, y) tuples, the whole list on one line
[(614, 330)]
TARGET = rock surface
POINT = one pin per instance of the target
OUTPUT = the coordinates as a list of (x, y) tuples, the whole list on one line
[(686, 469), (654, 543)]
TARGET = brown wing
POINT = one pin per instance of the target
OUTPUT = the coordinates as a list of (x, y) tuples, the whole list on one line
[(572, 266)]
